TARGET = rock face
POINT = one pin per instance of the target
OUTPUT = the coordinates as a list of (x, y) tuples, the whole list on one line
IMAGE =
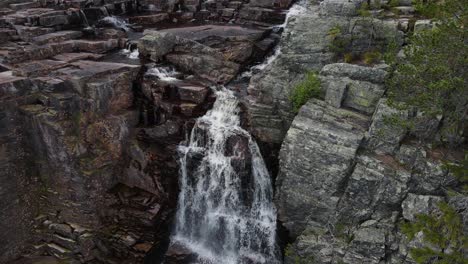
[(347, 176), (340, 194), (338, 134), (305, 46)]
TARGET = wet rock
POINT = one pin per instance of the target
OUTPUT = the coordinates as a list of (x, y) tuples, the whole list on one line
[(149, 19), (209, 66), (179, 254), (304, 47), (62, 229), (192, 93)]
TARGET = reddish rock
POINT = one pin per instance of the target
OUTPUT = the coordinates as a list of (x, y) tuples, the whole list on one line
[(57, 37), (192, 93), (149, 19), (72, 57), (37, 68), (179, 254)]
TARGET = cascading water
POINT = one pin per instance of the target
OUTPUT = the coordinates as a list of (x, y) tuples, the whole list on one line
[(116, 22), (131, 51), (225, 210), (295, 10), (167, 74)]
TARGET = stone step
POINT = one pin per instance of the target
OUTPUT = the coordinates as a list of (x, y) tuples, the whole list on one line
[(23, 6), (57, 37), (28, 33), (6, 11), (72, 57), (37, 68), (49, 50)]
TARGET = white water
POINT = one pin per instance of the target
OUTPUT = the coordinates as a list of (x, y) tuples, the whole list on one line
[(116, 22), (167, 74), (225, 209), (295, 10), (131, 54)]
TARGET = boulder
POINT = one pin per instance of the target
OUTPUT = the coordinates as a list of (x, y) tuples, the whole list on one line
[(188, 55)]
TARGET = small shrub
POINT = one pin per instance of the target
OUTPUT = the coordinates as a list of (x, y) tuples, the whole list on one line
[(443, 236), (334, 32), (372, 57), (427, 8), (348, 57), (305, 90), (364, 10), (393, 3)]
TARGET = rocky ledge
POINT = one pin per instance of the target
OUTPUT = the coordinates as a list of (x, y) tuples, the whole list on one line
[(91, 117)]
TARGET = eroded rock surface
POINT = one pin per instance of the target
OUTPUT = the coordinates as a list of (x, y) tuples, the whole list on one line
[(347, 175), (89, 129)]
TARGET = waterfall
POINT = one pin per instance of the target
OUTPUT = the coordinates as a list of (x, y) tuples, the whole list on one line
[(84, 18), (131, 51), (225, 209), (167, 74), (295, 10), (116, 22)]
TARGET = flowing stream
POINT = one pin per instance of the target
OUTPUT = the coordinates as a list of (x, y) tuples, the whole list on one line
[(225, 209)]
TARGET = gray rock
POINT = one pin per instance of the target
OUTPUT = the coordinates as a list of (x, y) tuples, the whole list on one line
[(353, 86), (419, 204), (384, 135), (315, 159), (355, 72), (375, 188), (422, 24), (339, 7), (157, 44), (303, 47)]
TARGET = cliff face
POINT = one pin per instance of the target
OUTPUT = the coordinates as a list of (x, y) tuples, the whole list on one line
[(347, 177)]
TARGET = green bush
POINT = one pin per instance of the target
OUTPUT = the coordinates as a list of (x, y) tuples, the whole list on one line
[(372, 57), (364, 10), (305, 90), (442, 234)]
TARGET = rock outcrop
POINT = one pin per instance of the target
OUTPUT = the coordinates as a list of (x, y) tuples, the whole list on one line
[(347, 175), (305, 46)]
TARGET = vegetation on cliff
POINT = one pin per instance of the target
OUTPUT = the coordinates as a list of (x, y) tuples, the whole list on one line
[(432, 78), (309, 88), (442, 230)]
